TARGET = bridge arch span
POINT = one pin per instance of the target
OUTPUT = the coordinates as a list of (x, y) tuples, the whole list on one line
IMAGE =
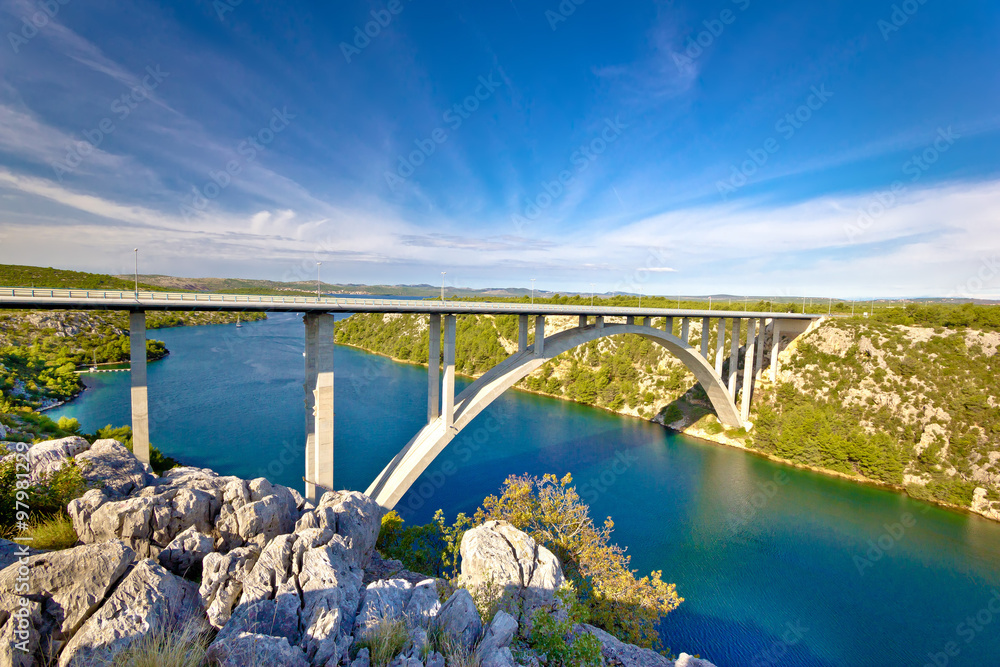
[(397, 477)]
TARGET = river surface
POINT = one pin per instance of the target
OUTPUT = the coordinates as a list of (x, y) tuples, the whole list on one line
[(776, 565)]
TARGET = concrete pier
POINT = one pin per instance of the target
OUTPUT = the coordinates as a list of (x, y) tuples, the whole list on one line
[(434, 369), (720, 346), (706, 331), (140, 392), (748, 364), (319, 383), (758, 367), (734, 357), (522, 333), (582, 321), (775, 348), (539, 335), (668, 325), (685, 329), (448, 399)]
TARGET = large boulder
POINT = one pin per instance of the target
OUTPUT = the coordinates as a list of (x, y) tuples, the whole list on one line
[(383, 600), (459, 619), (185, 553), (424, 604), (110, 464), (498, 635), (350, 514), (312, 578), (12, 552), (20, 640), (498, 555), (70, 585), (619, 653), (253, 649), (149, 600), (255, 512), (222, 581), (47, 457)]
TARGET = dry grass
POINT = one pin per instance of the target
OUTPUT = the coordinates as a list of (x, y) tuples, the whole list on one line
[(53, 534), (181, 648), (384, 641)]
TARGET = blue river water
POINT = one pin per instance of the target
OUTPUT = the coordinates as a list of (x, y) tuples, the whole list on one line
[(776, 565)]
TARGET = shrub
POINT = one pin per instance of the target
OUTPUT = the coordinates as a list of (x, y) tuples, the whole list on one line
[(430, 549), (552, 635), (185, 648), (44, 499), (550, 510)]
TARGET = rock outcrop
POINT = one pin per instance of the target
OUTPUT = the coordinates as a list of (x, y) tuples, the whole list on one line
[(45, 458), (283, 582), (496, 554), (149, 600)]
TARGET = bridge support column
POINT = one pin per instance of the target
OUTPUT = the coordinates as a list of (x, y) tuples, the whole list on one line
[(629, 319), (539, 335), (685, 329), (706, 329), (434, 369), (775, 348), (668, 325), (748, 364), (448, 402), (319, 404), (599, 321), (140, 395), (734, 357), (522, 333), (583, 321), (758, 367), (720, 345)]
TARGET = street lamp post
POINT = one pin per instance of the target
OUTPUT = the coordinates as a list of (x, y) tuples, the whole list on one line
[(136, 274), (591, 295), (443, 273), (532, 291), (318, 264), (640, 296)]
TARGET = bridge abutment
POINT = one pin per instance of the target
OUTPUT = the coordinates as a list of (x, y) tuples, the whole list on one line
[(319, 387)]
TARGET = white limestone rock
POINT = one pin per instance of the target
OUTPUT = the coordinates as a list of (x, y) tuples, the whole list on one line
[(255, 512), (498, 554), (459, 618), (222, 581), (150, 599), (498, 635), (185, 553), (350, 514), (110, 464), (71, 584), (254, 649), (424, 604), (45, 458), (383, 600)]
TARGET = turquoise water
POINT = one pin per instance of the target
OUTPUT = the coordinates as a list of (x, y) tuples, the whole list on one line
[(778, 566)]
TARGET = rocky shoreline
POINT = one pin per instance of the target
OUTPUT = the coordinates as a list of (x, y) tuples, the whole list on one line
[(265, 577)]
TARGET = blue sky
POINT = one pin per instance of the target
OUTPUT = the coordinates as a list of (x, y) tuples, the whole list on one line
[(831, 148)]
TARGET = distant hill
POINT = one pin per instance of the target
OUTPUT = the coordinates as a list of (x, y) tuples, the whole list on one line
[(15, 275)]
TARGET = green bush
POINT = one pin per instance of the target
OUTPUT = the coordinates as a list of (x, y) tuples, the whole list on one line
[(552, 635)]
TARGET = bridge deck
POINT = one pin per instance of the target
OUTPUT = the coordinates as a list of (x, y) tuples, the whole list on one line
[(78, 299)]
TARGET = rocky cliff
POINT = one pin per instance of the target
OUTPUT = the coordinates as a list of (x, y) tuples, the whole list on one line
[(259, 576)]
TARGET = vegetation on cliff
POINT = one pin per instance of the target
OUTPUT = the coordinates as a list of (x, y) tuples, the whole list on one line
[(550, 510)]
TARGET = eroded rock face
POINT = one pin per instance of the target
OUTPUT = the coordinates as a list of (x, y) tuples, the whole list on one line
[(498, 635), (253, 649), (232, 511), (69, 585), (459, 618), (315, 585), (47, 457), (616, 652), (111, 464), (19, 647), (383, 600), (185, 553), (350, 514), (222, 581), (149, 600), (11, 552), (424, 604), (499, 555)]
